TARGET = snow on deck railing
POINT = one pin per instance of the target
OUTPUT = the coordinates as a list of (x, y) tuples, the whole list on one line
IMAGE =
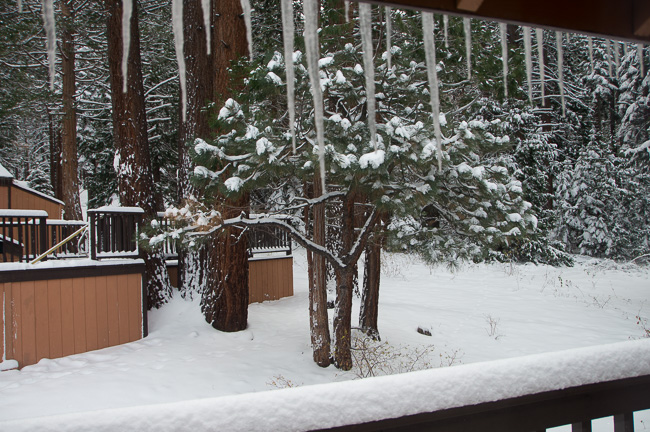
[(372, 401)]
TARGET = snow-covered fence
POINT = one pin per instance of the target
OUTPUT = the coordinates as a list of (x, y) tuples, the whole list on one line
[(58, 230), (519, 394), (23, 234), (265, 239), (113, 232)]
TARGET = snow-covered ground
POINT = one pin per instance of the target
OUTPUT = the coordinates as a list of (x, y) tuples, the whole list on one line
[(475, 313)]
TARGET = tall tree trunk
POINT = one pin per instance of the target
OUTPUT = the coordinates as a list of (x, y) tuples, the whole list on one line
[(193, 264), (344, 288), (55, 155), (318, 319), (228, 43), (371, 278), (69, 174), (225, 298), (134, 178)]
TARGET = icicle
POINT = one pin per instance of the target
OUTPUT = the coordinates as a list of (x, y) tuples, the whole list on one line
[(50, 31), (365, 21), (310, 8), (177, 27), (288, 31), (127, 11), (608, 56), (347, 11), (503, 29), (529, 63), (539, 34), (205, 6), (432, 73), (639, 53), (560, 68), (591, 52), (467, 26), (246, 7), (389, 33), (617, 58), (445, 23)]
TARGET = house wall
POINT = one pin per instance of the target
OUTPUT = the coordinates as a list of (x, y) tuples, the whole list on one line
[(54, 316), (268, 278), (4, 194), (26, 200)]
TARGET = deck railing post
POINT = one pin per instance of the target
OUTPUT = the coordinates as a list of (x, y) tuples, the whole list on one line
[(624, 422), (93, 235), (581, 426), (43, 236)]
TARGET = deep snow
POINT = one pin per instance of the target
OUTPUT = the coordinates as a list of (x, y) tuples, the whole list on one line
[(477, 313)]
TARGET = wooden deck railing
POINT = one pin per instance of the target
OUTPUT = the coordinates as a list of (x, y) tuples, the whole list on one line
[(23, 234), (113, 232), (268, 239), (575, 406)]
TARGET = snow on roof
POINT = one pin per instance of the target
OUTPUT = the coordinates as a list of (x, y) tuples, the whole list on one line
[(4, 173), (25, 186), (353, 402)]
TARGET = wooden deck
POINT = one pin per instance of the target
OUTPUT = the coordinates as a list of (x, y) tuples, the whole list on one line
[(50, 313)]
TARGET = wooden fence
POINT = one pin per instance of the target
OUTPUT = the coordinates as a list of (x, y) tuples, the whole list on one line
[(55, 312), (114, 231)]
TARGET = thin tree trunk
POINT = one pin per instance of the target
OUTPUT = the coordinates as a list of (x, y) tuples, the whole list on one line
[(344, 288), (134, 178), (371, 279), (318, 319), (55, 156), (69, 174)]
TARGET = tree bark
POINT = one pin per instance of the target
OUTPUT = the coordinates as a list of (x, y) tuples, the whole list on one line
[(200, 90), (55, 155), (371, 279), (344, 288), (69, 175), (225, 300), (318, 318), (228, 43), (134, 178)]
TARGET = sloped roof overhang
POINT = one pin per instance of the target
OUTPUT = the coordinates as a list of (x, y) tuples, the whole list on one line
[(625, 20)]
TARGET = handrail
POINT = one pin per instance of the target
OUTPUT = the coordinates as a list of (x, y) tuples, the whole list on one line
[(58, 245)]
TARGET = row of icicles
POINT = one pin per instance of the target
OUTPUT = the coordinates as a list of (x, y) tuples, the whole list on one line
[(311, 10)]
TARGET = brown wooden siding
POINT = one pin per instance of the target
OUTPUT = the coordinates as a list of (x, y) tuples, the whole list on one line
[(268, 279), (4, 196), (22, 199), (60, 317)]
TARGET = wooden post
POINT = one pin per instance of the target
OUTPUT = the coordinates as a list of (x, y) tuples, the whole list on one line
[(93, 235), (624, 422), (43, 237), (581, 426)]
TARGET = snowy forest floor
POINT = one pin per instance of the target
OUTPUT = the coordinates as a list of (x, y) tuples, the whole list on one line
[(474, 313)]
